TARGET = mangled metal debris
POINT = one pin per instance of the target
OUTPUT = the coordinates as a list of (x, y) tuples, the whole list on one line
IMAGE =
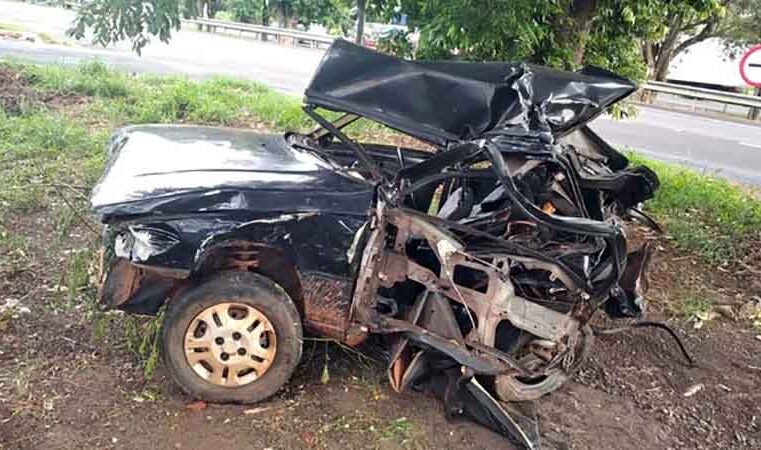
[(483, 262)]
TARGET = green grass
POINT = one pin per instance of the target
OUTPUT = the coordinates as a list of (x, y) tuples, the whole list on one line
[(12, 27), (122, 98), (42, 149), (15, 28), (718, 220), (693, 305)]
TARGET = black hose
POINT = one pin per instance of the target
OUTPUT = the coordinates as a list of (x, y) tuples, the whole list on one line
[(647, 323)]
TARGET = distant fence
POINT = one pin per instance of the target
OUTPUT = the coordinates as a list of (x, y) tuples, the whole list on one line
[(696, 93), (282, 36)]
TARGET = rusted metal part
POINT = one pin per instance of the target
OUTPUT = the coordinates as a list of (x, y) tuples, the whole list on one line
[(483, 364), (229, 255), (167, 272), (635, 279), (495, 302), (122, 281), (401, 354), (327, 301), (368, 280), (323, 301), (247, 255)]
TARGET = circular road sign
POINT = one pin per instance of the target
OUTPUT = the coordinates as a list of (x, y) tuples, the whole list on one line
[(750, 66)]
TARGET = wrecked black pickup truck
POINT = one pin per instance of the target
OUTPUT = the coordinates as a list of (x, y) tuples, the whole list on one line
[(481, 262)]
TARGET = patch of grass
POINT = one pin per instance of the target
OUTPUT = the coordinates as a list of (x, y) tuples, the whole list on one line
[(15, 28), (12, 27), (78, 274), (154, 99), (714, 218), (46, 38), (694, 304), (90, 78), (397, 430), (42, 149), (15, 250)]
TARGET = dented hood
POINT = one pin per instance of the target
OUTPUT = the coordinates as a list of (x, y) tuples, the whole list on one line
[(444, 101), (178, 169)]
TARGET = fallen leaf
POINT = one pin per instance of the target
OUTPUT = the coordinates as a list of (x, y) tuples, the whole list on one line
[(200, 405), (310, 439), (694, 389)]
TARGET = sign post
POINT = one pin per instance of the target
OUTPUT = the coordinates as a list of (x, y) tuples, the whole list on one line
[(750, 71)]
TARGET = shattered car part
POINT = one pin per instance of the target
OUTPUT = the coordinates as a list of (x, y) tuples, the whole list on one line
[(484, 259)]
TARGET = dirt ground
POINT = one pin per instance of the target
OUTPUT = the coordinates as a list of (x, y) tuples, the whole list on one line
[(63, 387)]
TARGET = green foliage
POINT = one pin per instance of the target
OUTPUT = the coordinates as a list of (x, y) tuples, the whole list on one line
[(482, 29), (137, 20), (37, 148), (694, 305), (90, 78), (546, 32), (709, 216), (142, 336), (78, 275), (741, 26), (397, 43), (247, 11)]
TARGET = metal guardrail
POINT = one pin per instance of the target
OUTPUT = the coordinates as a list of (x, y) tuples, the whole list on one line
[(703, 94), (280, 35)]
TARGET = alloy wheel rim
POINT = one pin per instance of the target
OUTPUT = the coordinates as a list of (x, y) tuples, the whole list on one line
[(230, 344)]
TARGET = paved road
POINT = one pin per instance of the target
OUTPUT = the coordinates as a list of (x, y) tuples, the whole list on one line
[(727, 148)]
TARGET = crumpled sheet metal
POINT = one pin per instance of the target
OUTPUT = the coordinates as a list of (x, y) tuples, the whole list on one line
[(444, 101), (313, 242), (170, 169)]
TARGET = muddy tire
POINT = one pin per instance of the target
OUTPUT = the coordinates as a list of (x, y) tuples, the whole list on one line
[(511, 389), (515, 389), (235, 338)]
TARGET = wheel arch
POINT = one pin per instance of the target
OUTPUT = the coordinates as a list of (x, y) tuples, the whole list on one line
[(246, 255)]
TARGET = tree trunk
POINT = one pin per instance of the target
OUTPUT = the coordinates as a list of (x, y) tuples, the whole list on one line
[(648, 53), (661, 66), (265, 18), (205, 13), (360, 21), (284, 13), (579, 25)]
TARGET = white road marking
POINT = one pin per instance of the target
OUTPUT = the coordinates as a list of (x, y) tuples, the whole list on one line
[(750, 145)]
